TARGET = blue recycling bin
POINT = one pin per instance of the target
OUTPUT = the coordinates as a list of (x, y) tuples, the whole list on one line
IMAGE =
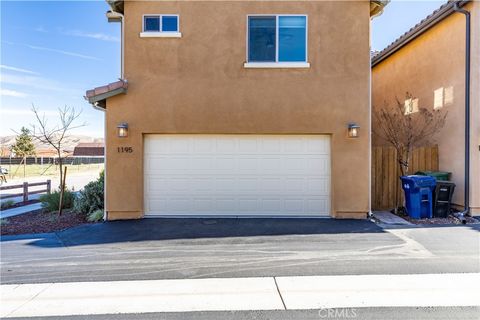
[(419, 195)]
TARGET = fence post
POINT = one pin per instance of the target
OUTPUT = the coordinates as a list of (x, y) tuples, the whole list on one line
[(25, 192), (49, 186)]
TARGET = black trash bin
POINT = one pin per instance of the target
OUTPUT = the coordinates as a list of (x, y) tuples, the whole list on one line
[(443, 198)]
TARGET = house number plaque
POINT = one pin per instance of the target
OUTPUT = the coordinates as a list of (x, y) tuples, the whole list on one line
[(125, 149)]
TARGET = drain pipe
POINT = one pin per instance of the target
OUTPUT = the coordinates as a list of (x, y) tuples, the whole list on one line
[(462, 215)]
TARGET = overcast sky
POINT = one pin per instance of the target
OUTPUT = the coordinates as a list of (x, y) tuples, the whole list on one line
[(52, 51)]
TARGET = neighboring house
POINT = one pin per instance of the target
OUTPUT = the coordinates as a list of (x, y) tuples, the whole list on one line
[(239, 108), (51, 153), (5, 152), (429, 62), (89, 149)]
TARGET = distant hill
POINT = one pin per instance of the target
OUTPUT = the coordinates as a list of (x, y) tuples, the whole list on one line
[(70, 142)]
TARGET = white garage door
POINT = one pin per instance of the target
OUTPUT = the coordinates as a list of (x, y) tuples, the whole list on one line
[(237, 175)]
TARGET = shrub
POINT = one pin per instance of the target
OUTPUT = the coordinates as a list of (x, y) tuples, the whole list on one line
[(51, 202), (7, 204), (90, 198), (95, 216)]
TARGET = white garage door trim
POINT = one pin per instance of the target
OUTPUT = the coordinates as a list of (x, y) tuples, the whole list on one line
[(237, 175)]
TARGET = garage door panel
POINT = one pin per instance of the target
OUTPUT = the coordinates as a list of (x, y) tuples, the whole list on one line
[(318, 187), (203, 205), (225, 145), (237, 175)]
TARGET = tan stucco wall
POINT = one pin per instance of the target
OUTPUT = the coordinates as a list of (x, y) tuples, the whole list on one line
[(434, 60), (197, 84)]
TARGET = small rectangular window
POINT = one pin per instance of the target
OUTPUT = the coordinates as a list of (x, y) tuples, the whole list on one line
[(169, 23), (278, 38), (292, 32), (261, 36), (151, 24), (160, 23)]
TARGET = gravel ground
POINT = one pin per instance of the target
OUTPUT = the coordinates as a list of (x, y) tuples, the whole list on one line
[(448, 220), (41, 222)]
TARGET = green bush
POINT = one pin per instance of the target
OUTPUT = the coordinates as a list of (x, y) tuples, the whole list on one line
[(95, 216), (90, 199), (51, 202)]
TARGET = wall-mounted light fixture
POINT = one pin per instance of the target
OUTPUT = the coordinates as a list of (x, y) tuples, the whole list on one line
[(353, 130), (122, 130)]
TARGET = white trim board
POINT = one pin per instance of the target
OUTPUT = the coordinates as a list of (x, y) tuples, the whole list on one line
[(162, 34)]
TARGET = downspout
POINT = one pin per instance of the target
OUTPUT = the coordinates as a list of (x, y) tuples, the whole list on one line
[(122, 45), (114, 16), (97, 107), (465, 212)]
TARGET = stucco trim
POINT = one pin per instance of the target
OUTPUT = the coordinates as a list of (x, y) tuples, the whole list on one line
[(438, 15)]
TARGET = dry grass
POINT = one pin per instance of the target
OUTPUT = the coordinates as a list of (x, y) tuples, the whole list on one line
[(35, 170)]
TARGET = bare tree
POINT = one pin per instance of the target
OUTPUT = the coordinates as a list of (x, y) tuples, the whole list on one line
[(56, 135), (405, 127)]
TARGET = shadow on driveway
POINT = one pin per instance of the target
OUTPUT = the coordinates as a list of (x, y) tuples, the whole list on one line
[(176, 229)]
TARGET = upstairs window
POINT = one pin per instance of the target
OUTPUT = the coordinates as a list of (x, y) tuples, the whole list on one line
[(160, 23), (277, 39)]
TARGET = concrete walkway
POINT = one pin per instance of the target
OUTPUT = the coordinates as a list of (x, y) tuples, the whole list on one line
[(390, 218), (222, 294), (19, 210)]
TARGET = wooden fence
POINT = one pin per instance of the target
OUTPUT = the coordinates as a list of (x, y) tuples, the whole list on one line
[(5, 161), (25, 192), (386, 186)]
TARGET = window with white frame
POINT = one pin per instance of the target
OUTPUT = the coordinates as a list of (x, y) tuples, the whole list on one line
[(277, 39), (160, 23)]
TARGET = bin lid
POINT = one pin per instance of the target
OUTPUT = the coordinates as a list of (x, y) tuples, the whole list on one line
[(444, 182), (433, 173), (420, 181)]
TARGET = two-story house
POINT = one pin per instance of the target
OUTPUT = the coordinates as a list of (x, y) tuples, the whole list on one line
[(239, 108), (430, 62)]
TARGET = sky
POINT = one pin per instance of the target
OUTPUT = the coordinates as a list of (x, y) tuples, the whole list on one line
[(52, 51)]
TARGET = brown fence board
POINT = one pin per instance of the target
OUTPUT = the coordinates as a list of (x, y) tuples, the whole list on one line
[(386, 187)]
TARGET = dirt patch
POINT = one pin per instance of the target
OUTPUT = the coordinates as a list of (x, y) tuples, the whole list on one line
[(41, 222)]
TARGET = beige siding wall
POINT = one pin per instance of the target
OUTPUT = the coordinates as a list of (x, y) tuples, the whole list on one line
[(435, 62)]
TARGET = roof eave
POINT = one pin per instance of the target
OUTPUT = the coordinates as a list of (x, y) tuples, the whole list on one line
[(106, 95), (441, 13), (377, 6), (116, 5)]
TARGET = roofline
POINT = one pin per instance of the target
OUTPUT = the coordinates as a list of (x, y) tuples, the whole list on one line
[(116, 5), (106, 95), (376, 6), (441, 13)]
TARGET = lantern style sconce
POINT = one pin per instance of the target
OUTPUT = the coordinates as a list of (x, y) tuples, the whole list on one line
[(353, 130), (122, 130)]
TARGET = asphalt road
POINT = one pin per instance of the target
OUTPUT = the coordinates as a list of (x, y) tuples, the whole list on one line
[(404, 313), (205, 248)]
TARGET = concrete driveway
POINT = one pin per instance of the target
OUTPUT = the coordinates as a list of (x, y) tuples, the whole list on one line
[(210, 248)]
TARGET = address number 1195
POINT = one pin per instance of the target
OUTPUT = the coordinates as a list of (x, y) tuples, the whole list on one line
[(125, 149)]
